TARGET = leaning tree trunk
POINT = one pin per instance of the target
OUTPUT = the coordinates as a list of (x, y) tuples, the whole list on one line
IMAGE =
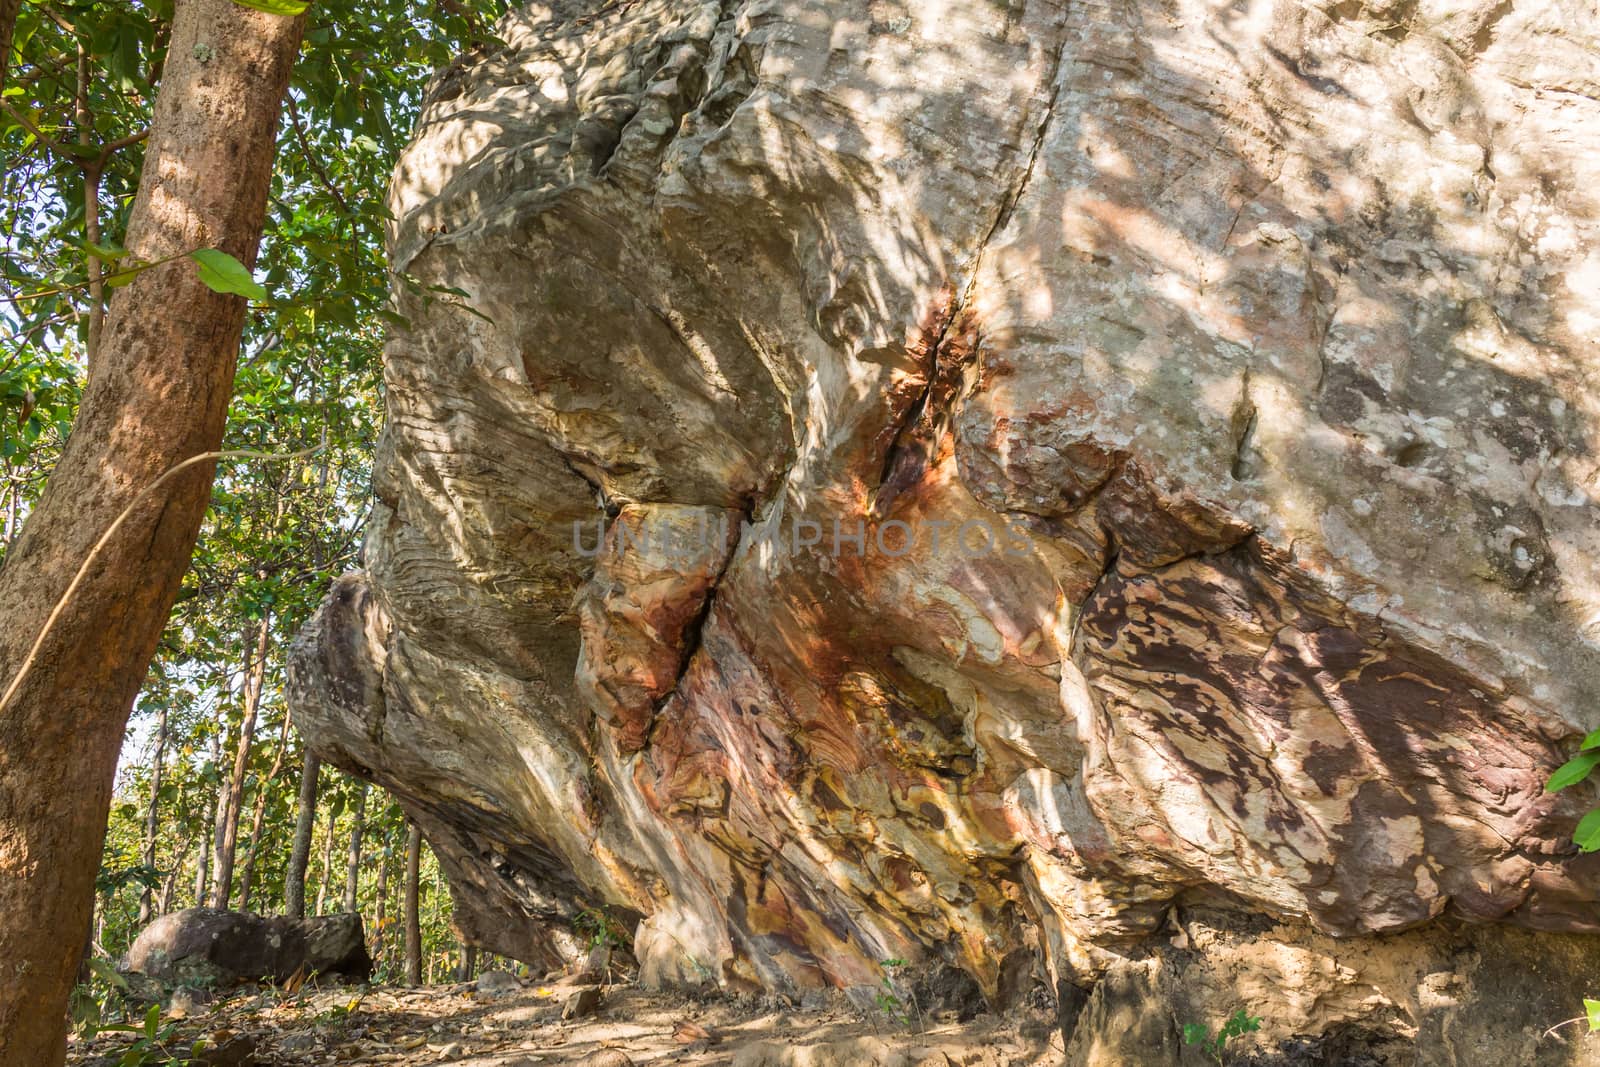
[(159, 396), (152, 818), (228, 834), (305, 822), (352, 874), (413, 919)]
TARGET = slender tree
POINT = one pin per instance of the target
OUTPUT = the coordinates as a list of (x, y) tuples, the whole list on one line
[(382, 901), (247, 877), (206, 878), (71, 665), (152, 818), (228, 835), (202, 870), (413, 918), (327, 863), (352, 874), (305, 822)]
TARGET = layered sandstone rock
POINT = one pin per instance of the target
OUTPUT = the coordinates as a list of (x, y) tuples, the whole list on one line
[(1058, 463)]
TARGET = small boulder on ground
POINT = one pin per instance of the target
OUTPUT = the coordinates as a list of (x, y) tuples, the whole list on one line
[(209, 946), (497, 984)]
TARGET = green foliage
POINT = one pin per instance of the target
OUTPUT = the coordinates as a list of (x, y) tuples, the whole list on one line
[(1238, 1024), (601, 929), (150, 1044), (1587, 833), (888, 1001)]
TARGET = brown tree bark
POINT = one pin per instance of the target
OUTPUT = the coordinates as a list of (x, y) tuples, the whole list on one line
[(352, 873), (228, 835), (159, 396), (413, 919), (8, 24), (152, 817), (294, 880)]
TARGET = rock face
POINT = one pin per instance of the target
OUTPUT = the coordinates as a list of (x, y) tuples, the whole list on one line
[(215, 947), (1058, 463)]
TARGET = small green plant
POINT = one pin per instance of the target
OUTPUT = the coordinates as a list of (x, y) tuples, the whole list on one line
[(1238, 1024), (150, 1047), (338, 1014), (1587, 833), (600, 928), (889, 1002), (1591, 1015)]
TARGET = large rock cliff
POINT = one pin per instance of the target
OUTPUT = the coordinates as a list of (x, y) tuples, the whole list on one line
[(985, 482)]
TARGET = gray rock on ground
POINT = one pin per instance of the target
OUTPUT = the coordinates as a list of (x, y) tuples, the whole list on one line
[(211, 947)]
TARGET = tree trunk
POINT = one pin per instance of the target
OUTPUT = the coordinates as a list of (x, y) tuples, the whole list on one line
[(202, 870), (247, 877), (219, 813), (327, 866), (352, 874), (294, 880), (8, 23), (412, 919), (159, 396), (152, 818), (228, 838), (469, 962), (383, 901)]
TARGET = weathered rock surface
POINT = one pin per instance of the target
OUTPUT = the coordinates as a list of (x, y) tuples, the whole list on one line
[(209, 946), (1058, 458), (1445, 996)]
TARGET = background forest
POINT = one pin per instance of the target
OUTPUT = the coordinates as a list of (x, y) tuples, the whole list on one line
[(216, 799)]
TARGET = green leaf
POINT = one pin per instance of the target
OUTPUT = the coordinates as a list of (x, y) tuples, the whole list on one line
[(1195, 1034), (1591, 1009), (223, 274), (1592, 741), (152, 1021), (276, 7), (1587, 835), (1572, 772)]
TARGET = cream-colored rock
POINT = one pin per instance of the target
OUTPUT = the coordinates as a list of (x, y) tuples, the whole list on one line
[(1148, 450)]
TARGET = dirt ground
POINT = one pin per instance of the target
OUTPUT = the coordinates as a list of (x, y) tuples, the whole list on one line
[(524, 1027)]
